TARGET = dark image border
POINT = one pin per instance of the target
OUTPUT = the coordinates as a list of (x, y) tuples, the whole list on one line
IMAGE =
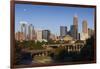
[(12, 33)]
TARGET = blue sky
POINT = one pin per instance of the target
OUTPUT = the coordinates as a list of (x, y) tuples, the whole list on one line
[(52, 17)]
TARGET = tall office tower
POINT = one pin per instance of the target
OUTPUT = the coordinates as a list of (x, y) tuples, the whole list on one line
[(63, 31), (73, 32), (84, 34), (75, 23), (34, 34), (24, 29), (38, 35), (46, 34), (84, 26), (31, 32)]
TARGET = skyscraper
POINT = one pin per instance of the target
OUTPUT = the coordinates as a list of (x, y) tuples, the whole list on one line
[(84, 34), (84, 26), (63, 31), (46, 34), (75, 27), (75, 21), (39, 35), (73, 31), (31, 32), (24, 29)]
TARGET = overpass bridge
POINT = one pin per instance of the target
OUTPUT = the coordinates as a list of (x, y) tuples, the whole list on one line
[(70, 47), (38, 52)]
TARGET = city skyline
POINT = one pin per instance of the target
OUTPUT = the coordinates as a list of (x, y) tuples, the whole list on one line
[(50, 19)]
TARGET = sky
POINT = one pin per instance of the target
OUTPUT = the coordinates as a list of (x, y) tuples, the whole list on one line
[(52, 17)]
